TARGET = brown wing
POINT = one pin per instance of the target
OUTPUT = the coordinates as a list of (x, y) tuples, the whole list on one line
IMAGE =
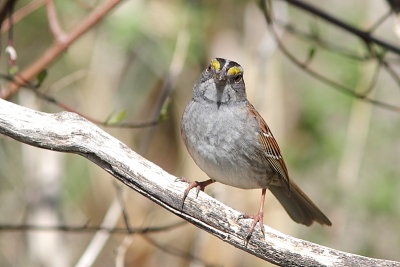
[(272, 151)]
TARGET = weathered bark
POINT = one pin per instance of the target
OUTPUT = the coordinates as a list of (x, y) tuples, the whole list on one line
[(68, 132)]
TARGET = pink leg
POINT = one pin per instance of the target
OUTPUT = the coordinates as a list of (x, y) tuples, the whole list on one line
[(198, 185), (258, 218)]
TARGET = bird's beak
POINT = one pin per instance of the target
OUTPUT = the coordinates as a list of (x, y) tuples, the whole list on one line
[(220, 77)]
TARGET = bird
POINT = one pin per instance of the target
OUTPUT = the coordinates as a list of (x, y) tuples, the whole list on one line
[(230, 141)]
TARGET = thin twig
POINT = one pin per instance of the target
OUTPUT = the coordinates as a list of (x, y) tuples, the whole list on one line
[(364, 35), (54, 25), (54, 51), (65, 81), (330, 82), (380, 21), (333, 84), (6, 10), (126, 125), (89, 229), (171, 250), (175, 68), (290, 28), (100, 238), (121, 251), (11, 22), (22, 13), (54, 101), (373, 81), (121, 199), (388, 67)]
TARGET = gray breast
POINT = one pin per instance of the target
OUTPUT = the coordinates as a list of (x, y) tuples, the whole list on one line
[(223, 142)]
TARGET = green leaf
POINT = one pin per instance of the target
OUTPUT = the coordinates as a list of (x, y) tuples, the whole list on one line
[(13, 70), (41, 77), (311, 53), (117, 118), (164, 111)]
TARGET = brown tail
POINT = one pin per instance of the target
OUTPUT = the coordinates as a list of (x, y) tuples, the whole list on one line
[(298, 205)]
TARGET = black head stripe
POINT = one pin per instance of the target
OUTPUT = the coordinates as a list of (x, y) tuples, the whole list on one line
[(232, 64), (221, 61)]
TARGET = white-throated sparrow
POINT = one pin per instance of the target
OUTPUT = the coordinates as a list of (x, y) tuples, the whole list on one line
[(231, 142)]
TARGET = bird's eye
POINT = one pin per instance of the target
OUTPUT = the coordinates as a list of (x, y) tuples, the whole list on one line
[(238, 79), (208, 68)]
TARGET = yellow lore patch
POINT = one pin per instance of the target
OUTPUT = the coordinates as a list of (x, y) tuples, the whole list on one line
[(234, 71), (215, 64)]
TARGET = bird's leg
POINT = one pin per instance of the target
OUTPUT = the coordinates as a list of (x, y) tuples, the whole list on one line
[(198, 185), (258, 218)]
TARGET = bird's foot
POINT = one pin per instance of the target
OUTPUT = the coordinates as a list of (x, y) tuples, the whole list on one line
[(198, 185), (258, 218)]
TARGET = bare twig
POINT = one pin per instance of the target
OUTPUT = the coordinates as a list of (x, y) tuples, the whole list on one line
[(52, 53), (382, 61), (366, 36), (176, 252), (53, 22), (65, 81), (332, 83), (120, 196), (388, 67), (21, 13), (379, 21), (342, 88), (127, 125), (317, 40), (67, 132), (176, 66), (54, 101), (89, 229), (6, 10), (373, 81), (121, 251)]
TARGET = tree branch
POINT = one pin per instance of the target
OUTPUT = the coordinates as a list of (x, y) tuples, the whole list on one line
[(364, 35), (21, 13), (54, 25), (68, 132), (89, 229), (54, 51), (321, 77)]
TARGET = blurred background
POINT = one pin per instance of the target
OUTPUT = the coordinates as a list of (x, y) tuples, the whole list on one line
[(142, 61)]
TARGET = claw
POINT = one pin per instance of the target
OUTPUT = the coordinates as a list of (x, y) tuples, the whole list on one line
[(258, 218), (198, 185)]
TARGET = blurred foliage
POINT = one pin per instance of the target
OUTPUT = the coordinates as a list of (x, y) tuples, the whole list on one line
[(74, 187), (120, 68)]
